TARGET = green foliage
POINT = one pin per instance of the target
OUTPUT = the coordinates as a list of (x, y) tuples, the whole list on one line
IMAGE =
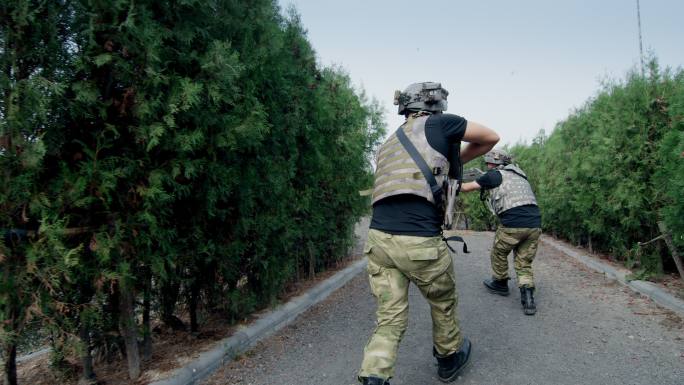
[(669, 176), (477, 214), (192, 152), (614, 167), (30, 88)]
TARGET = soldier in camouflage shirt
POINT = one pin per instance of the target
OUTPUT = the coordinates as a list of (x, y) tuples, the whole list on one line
[(510, 197)]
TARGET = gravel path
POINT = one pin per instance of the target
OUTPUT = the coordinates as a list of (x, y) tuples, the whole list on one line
[(588, 330)]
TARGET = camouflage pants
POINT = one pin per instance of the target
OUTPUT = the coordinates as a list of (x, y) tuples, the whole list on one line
[(523, 242), (393, 262)]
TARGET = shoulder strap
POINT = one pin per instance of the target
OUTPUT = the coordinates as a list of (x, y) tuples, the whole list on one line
[(515, 172), (420, 162), (436, 189)]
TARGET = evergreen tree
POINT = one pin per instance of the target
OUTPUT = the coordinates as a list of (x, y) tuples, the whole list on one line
[(167, 153), (612, 169), (31, 83)]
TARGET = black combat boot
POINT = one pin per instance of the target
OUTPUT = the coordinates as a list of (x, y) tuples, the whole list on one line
[(374, 381), (450, 366), (527, 300), (497, 286)]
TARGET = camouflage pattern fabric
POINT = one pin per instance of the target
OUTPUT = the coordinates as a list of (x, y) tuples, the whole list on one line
[(514, 190), (425, 96), (497, 156), (393, 262), (397, 172), (523, 242)]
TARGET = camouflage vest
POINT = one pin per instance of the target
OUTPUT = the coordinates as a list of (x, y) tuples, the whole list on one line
[(397, 173), (514, 190)]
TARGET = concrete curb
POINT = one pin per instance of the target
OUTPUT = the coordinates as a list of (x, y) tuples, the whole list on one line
[(649, 289), (265, 326), (33, 355)]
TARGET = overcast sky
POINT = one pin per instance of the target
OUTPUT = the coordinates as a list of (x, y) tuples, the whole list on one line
[(515, 66)]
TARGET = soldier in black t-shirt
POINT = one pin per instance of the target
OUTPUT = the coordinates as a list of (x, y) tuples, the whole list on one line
[(510, 197), (408, 214), (404, 241)]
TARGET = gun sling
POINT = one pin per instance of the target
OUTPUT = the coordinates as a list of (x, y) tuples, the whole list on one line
[(436, 189), (424, 168)]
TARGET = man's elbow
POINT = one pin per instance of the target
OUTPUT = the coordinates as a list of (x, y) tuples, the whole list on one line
[(492, 139), (480, 134)]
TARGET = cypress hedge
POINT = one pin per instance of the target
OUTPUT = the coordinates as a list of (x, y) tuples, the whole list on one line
[(613, 169), (163, 158)]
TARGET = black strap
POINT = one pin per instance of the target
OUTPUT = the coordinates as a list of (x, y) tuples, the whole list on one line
[(458, 239), (424, 168), (514, 172), (436, 189)]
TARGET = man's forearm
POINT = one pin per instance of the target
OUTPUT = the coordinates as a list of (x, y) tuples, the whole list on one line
[(470, 186)]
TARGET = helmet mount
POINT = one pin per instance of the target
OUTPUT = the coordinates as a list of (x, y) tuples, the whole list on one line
[(425, 96), (499, 157)]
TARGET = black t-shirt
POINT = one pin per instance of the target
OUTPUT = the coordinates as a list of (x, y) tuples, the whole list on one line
[(408, 214), (527, 216)]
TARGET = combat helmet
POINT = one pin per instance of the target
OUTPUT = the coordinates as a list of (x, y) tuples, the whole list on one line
[(425, 96), (498, 157)]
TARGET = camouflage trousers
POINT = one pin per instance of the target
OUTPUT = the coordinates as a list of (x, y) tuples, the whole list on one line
[(393, 262), (523, 242)]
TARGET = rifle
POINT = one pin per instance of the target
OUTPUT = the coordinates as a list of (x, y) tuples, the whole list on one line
[(453, 187), (471, 174)]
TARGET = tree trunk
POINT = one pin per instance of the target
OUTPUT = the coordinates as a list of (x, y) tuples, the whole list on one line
[(113, 308), (312, 263), (88, 375), (9, 375), (194, 299), (147, 304), (297, 254), (169, 298), (211, 289), (128, 330), (668, 240), (11, 325)]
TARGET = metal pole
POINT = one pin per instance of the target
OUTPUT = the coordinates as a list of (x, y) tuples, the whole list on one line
[(641, 49)]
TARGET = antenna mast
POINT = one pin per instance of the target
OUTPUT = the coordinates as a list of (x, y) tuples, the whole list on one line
[(641, 49)]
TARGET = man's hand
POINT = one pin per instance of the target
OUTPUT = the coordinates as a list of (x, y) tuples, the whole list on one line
[(470, 186)]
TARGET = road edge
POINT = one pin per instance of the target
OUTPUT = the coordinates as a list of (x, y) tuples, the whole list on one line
[(267, 324), (645, 288)]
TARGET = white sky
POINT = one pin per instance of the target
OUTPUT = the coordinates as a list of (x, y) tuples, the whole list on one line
[(515, 66)]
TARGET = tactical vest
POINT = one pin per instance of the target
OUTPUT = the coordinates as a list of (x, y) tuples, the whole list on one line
[(397, 173), (514, 190)]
